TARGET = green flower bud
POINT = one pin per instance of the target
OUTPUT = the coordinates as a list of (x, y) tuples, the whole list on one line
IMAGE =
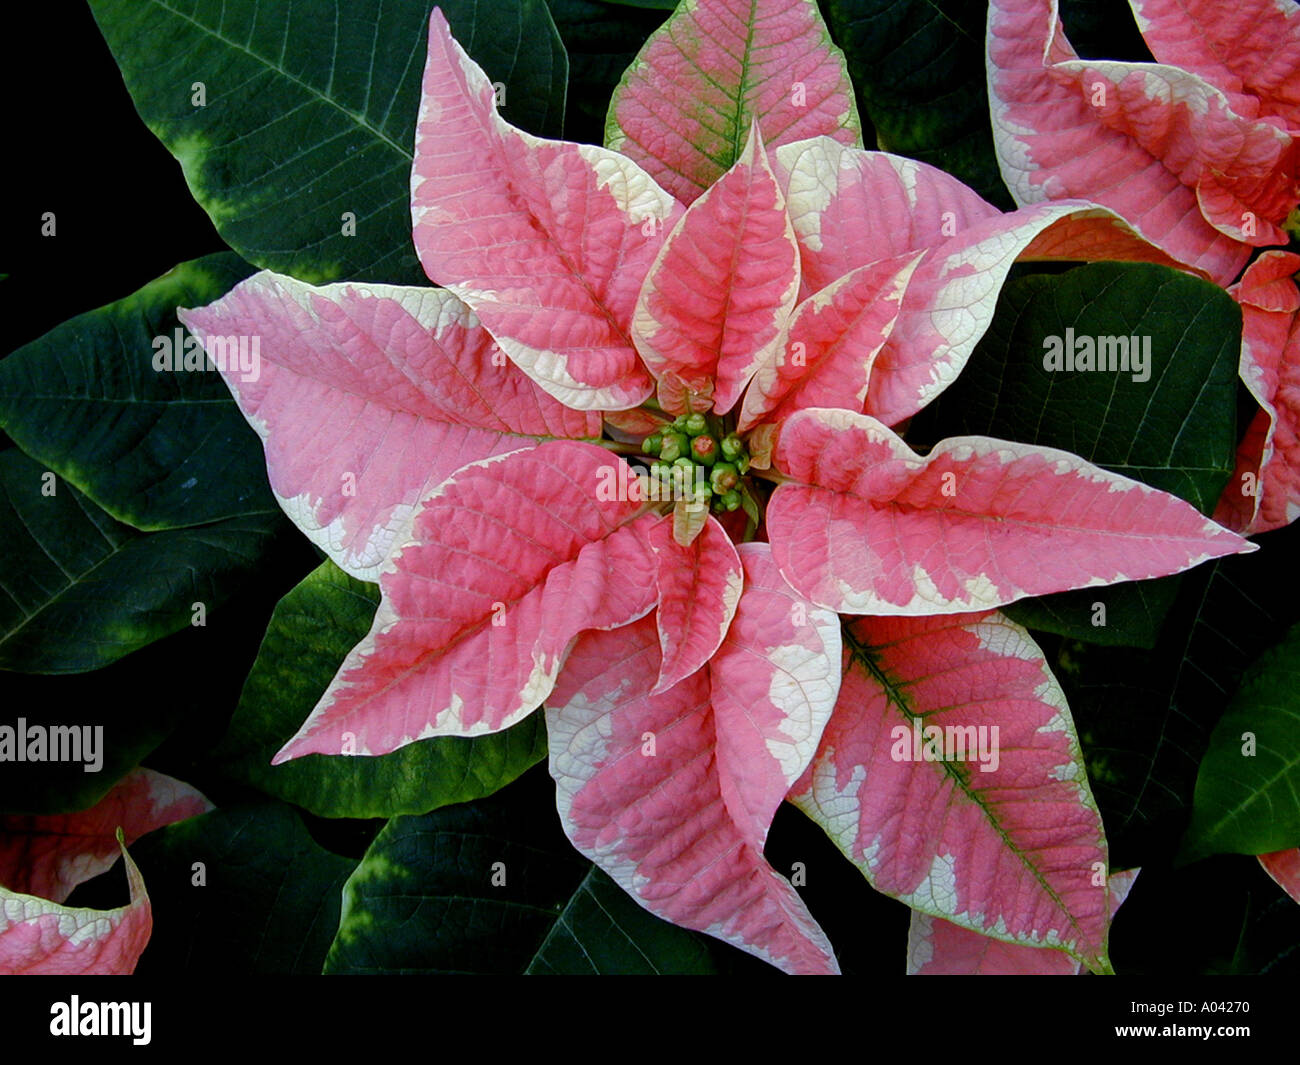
[(731, 500), (673, 447), (704, 449), (653, 443), (683, 479), (724, 477), (731, 447), (696, 424), (742, 465), (684, 463)]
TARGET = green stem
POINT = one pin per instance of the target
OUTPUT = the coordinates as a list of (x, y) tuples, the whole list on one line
[(618, 447)]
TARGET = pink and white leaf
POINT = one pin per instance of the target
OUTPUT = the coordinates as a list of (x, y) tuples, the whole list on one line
[(851, 207), (573, 229), (880, 206), (640, 791), (50, 854), (998, 831), (1264, 492), (42, 938), (936, 947), (867, 526), (1165, 148), (715, 300), (1250, 50), (775, 682), (353, 381), (952, 252), (826, 355), (698, 586), (507, 562), (686, 104)]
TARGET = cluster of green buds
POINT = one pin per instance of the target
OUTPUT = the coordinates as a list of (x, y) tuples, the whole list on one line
[(693, 453)]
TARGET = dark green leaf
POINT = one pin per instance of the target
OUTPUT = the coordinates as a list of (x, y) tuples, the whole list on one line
[(178, 692), (1248, 787), (80, 590), (309, 111), (269, 903), (918, 68), (157, 449), (1121, 615), (601, 931), (312, 630), (1175, 429), (1145, 717), (494, 887)]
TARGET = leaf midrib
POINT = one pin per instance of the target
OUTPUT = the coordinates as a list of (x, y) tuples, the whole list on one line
[(861, 654), (561, 921), (78, 580), (359, 119)]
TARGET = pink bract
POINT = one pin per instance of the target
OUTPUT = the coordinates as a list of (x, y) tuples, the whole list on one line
[(1264, 492), (45, 856), (692, 667), (938, 948), (1198, 151)]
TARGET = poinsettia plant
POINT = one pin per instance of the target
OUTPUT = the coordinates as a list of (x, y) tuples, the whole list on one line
[(680, 471)]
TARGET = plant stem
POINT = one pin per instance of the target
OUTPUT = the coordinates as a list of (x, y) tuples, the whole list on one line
[(618, 447)]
